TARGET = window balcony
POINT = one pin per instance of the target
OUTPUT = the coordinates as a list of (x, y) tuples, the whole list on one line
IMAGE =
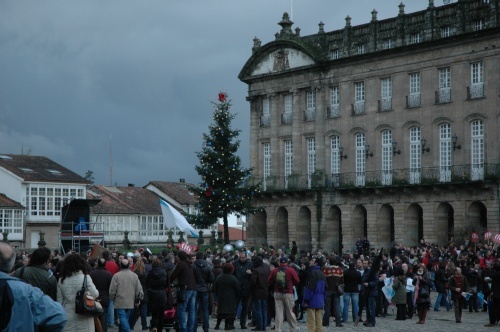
[(310, 114), (286, 118), (459, 174), (443, 96), (358, 108), (385, 104), (265, 120), (333, 111), (475, 91), (413, 100)]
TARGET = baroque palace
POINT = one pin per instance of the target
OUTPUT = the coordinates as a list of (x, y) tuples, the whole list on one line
[(386, 130)]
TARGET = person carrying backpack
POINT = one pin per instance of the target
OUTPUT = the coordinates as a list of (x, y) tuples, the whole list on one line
[(282, 279), (24, 307)]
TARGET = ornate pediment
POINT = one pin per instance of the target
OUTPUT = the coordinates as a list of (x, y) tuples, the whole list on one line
[(280, 60)]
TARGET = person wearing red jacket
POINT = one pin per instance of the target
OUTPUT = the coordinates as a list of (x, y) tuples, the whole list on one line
[(284, 298)]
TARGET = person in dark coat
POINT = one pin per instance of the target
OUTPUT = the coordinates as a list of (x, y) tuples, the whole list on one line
[(399, 298), (458, 284), (314, 295), (352, 284), (259, 289), (217, 272), (142, 309), (157, 297), (243, 272), (228, 292), (102, 280), (440, 282), (184, 274), (203, 273), (423, 282), (494, 278)]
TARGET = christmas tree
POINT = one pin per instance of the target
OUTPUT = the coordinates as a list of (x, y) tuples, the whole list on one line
[(221, 191)]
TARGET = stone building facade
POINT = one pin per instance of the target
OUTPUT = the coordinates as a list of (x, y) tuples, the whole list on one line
[(387, 130)]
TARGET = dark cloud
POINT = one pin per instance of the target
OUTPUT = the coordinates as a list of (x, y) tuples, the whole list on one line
[(72, 73)]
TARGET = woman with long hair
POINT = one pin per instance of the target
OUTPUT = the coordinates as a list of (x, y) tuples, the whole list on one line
[(73, 273), (157, 282), (142, 310), (422, 283)]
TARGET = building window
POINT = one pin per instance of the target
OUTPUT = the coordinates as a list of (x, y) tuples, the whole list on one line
[(477, 150), (476, 89), (388, 44), (335, 54), (414, 97), (444, 93), (311, 159), (361, 49), (415, 38), (266, 112), (287, 107), (445, 149), (151, 228), (385, 94), (46, 200), (11, 221), (359, 98), (360, 159), (310, 113), (415, 155), (335, 160), (288, 160), (267, 161), (334, 109), (445, 31), (386, 157), (478, 25)]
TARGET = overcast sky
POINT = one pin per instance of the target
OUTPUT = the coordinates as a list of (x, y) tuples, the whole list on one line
[(74, 74)]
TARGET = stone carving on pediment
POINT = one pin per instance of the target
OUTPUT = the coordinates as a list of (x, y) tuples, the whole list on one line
[(281, 60)]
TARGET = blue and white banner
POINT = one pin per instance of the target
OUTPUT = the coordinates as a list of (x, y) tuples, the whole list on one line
[(172, 218)]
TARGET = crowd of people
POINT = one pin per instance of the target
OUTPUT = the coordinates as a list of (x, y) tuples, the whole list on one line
[(257, 288)]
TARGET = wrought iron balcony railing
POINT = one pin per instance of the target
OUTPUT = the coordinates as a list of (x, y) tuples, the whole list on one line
[(265, 120), (385, 104), (413, 100), (333, 111), (286, 118), (358, 108), (310, 114), (443, 96), (460, 174), (475, 91)]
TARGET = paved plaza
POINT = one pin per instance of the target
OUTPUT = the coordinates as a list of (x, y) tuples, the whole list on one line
[(435, 322)]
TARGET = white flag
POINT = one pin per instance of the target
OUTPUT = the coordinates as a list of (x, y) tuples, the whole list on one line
[(172, 218)]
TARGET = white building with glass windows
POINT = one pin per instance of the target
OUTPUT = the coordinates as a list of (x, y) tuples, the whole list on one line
[(42, 187), (391, 129)]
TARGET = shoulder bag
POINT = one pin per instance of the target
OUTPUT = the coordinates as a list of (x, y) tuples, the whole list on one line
[(85, 304)]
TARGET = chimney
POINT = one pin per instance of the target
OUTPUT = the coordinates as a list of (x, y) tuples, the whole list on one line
[(182, 180), (131, 185)]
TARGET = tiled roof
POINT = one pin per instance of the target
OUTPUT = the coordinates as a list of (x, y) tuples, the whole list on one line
[(6, 202), (234, 233), (38, 168), (177, 191), (124, 200)]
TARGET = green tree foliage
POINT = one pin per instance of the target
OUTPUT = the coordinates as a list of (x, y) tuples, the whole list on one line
[(221, 191)]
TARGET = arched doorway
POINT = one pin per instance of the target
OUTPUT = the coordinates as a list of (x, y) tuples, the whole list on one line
[(281, 227), (304, 228), (414, 225), (477, 217), (385, 226), (257, 230), (445, 223), (359, 223), (331, 231)]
